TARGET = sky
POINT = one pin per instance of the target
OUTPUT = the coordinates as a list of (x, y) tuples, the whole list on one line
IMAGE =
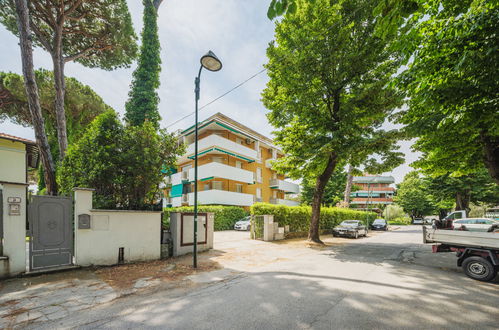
[(237, 31)]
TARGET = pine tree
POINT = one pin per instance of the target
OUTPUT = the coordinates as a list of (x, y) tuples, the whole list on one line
[(142, 104)]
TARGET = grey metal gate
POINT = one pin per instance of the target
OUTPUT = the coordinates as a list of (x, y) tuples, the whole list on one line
[(51, 224)]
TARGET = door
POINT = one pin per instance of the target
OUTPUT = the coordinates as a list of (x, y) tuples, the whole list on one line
[(51, 243)]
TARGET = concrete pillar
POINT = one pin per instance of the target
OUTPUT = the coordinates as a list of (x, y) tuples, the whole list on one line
[(268, 227), (82, 205)]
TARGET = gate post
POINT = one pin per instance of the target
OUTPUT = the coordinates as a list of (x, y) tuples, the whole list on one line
[(82, 205)]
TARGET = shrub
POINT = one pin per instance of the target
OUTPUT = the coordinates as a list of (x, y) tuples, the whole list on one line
[(400, 221), (298, 217), (225, 216)]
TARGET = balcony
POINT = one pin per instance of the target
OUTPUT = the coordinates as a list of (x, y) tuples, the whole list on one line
[(379, 200), (268, 162), (287, 187), (217, 170), (217, 144), (222, 197), (284, 202)]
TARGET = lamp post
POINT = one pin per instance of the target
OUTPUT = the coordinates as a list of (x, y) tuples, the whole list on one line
[(210, 62)]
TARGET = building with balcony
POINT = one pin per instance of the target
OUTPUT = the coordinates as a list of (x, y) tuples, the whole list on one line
[(234, 167), (373, 191)]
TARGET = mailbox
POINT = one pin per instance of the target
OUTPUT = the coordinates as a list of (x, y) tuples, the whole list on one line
[(84, 221)]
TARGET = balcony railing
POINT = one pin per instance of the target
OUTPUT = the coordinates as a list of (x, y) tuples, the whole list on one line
[(285, 186), (217, 170), (215, 141), (362, 200), (222, 197), (284, 202)]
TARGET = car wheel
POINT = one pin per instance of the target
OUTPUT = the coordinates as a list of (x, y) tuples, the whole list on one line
[(479, 268)]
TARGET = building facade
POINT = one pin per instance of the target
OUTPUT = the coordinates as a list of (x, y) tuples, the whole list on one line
[(234, 167), (373, 190)]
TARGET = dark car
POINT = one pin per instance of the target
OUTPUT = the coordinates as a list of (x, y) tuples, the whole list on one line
[(350, 228), (379, 224)]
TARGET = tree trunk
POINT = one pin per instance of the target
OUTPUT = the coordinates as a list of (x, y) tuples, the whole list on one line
[(32, 95), (60, 89), (463, 200), (313, 234), (348, 188), (491, 155)]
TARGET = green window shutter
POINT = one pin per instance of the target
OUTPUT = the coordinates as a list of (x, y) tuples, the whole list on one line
[(176, 190)]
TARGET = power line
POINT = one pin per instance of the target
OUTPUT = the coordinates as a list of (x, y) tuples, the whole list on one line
[(219, 97)]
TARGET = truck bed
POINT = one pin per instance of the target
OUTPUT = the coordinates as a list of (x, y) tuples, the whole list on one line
[(461, 238)]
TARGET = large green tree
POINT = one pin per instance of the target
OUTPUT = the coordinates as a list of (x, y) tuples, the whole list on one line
[(143, 101), (94, 33), (414, 197), (328, 93), (333, 191), (121, 162), (452, 87)]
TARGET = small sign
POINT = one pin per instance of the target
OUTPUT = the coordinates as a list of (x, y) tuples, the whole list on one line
[(14, 200), (84, 221), (14, 209)]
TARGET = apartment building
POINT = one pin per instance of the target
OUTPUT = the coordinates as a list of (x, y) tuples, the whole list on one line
[(374, 190), (234, 167)]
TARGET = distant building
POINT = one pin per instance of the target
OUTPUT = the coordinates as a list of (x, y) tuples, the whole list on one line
[(234, 167), (374, 190)]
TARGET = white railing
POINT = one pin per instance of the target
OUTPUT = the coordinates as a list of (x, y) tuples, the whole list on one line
[(287, 202), (176, 178), (218, 170), (285, 186), (223, 143), (222, 197)]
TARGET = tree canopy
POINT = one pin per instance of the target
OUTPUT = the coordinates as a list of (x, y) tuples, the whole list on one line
[(143, 101), (333, 192), (121, 162), (413, 196), (452, 88), (328, 93)]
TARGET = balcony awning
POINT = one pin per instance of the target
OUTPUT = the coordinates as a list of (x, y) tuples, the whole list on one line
[(176, 190), (223, 151)]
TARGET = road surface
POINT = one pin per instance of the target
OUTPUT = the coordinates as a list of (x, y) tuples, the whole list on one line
[(389, 281)]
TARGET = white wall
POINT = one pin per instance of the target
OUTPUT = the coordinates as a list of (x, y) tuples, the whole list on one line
[(222, 197), (12, 161), (14, 232), (226, 144), (138, 232), (222, 171)]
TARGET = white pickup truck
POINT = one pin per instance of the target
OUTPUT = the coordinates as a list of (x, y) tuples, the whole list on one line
[(477, 252)]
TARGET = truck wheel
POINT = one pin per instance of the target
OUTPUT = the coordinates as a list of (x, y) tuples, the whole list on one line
[(479, 268)]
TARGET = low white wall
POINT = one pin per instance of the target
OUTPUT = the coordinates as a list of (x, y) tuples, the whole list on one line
[(204, 230), (14, 232), (138, 232)]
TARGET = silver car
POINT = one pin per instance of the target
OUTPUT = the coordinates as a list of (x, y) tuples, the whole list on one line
[(243, 224), (474, 224), (351, 228)]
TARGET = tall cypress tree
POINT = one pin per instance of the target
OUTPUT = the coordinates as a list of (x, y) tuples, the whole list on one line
[(143, 99)]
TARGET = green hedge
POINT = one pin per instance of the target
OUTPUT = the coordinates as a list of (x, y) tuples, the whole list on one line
[(225, 216), (400, 221), (298, 217)]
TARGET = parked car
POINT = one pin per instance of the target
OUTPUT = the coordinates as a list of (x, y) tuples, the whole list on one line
[(351, 228), (418, 221), (243, 224), (379, 224), (474, 224)]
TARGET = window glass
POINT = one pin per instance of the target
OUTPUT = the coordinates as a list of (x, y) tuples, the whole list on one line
[(239, 164), (217, 185), (239, 188), (258, 193)]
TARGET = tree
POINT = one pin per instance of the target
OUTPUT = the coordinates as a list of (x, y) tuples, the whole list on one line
[(452, 88), (31, 88), (333, 191), (413, 196), (328, 93), (123, 163), (142, 104), (94, 33), (461, 191), (392, 212)]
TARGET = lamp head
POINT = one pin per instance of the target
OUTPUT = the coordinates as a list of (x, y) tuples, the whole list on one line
[(210, 61)]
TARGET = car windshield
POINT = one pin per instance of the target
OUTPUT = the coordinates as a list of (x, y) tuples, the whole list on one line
[(379, 221), (350, 223)]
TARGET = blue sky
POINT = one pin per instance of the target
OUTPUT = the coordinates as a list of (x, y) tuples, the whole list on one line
[(238, 31)]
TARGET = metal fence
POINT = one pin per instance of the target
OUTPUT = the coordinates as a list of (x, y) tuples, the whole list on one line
[(257, 227)]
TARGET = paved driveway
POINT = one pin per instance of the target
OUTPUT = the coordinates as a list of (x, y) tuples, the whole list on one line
[(386, 281)]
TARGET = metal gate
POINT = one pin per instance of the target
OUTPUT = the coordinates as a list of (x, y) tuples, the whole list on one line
[(51, 225)]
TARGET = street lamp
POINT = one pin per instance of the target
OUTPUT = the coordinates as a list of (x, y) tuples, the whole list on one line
[(210, 62)]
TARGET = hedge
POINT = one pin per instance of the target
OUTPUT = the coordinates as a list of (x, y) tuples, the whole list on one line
[(225, 216), (298, 217)]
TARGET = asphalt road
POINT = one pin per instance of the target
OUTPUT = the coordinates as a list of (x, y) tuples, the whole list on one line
[(387, 281)]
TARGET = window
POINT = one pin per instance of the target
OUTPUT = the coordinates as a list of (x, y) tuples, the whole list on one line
[(186, 168), (239, 188), (258, 175), (274, 194), (239, 164), (217, 185), (217, 160), (239, 140), (206, 186), (258, 193)]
